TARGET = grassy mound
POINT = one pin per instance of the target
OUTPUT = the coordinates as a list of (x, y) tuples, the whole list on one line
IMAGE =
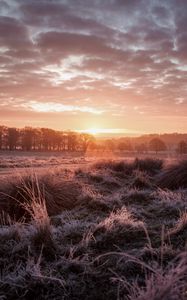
[(174, 177), (149, 165), (17, 193)]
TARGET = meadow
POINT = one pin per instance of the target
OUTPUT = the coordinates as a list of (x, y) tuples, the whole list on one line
[(109, 229)]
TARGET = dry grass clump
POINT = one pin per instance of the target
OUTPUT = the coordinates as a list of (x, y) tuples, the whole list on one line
[(35, 206), (94, 201), (119, 227), (174, 177), (163, 285), (170, 197), (170, 202), (177, 235), (116, 166), (17, 193), (42, 237), (136, 196), (140, 180), (161, 210), (149, 165)]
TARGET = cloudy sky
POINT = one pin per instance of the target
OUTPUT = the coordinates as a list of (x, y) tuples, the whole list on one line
[(119, 65)]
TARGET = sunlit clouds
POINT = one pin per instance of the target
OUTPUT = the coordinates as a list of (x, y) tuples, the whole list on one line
[(94, 64), (58, 107)]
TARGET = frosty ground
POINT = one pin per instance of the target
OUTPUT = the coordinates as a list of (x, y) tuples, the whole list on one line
[(105, 230)]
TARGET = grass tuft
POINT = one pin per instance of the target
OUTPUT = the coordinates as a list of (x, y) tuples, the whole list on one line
[(174, 177)]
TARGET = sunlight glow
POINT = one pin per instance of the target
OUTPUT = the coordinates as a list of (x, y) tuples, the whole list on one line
[(59, 107), (97, 131)]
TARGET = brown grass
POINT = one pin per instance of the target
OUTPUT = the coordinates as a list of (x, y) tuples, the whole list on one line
[(17, 194)]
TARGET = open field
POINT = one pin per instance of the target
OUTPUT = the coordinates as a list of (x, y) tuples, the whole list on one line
[(112, 229), (40, 162), (36, 160)]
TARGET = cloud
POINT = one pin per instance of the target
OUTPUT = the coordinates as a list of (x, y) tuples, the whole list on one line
[(13, 33), (100, 57), (58, 108)]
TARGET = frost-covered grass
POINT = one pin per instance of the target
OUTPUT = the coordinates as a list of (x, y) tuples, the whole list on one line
[(108, 231), (21, 159)]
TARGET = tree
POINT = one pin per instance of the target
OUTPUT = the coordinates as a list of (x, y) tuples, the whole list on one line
[(2, 134), (27, 138), (125, 146), (182, 147), (157, 145), (12, 138), (72, 141), (47, 138), (86, 139), (141, 148), (110, 145)]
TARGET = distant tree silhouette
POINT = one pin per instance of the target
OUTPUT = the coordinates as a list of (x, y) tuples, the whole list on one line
[(182, 147), (93, 146), (157, 145), (12, 138), (72, 141), (141, 148), (85, 140), (110, 145), (2, 132), (46, 139), (27, 139), (125, 146)]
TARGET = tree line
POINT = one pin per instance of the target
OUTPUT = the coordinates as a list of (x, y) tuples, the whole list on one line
[(133, 145), (46, 139), (42, 139)]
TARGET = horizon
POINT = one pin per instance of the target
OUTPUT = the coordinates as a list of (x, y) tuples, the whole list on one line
[(108, 133), (93, 149), (108, 67)]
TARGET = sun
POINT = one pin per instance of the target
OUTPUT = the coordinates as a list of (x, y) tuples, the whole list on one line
[(98, 131), (94, 131), (104, 131)]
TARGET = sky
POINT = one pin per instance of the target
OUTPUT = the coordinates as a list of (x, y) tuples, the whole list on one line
[(116, 66)]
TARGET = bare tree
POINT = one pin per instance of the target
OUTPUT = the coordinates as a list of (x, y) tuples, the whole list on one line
[(12, 138)]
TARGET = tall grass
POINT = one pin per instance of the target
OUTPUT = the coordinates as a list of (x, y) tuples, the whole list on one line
[(16, 193)]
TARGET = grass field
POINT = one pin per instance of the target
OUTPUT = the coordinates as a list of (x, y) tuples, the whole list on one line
[(105, 230)]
